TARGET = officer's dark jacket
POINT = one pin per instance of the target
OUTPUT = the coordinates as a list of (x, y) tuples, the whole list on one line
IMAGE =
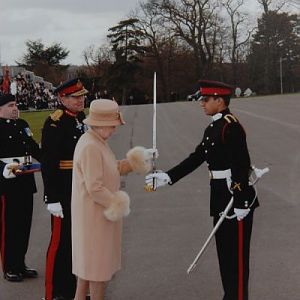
[(16, 141), (223, 147), (60, 135)]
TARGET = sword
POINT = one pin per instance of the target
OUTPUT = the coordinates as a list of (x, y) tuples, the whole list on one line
[(147, 187), (259, 173), (220, 221), (154, 132)]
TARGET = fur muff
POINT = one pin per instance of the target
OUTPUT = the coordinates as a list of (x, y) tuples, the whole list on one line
[(118, 208), (138, 160)]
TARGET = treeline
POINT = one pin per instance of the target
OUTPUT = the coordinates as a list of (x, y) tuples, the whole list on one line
[(187, 40)]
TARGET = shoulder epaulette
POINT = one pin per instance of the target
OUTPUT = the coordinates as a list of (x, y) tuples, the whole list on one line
[(55, 116), (230, 118)]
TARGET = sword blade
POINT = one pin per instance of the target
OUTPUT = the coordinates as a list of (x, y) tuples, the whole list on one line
[(154, 113), (154, 131), (220, 221)]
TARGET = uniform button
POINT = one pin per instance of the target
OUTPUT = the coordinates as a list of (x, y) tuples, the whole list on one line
[(10, 137), (206, 151), (75, 137), (24, 143), (207, 138), (7, 121), (21, 131), (202, 144), (211, 125), (212, 144)]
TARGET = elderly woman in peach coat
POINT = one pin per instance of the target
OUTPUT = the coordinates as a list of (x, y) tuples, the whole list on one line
[(98, 205)]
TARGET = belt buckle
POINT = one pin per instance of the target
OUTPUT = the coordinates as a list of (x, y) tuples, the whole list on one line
[(210, 174)]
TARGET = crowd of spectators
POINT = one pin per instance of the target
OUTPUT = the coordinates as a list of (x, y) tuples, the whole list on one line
[(32, 95)]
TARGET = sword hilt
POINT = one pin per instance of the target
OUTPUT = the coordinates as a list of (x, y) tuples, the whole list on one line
[(149, 188)]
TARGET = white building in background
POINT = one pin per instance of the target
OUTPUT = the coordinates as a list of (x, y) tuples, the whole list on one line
[(15, 70)]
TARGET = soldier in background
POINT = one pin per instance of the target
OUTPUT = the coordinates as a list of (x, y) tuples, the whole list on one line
[(16, 203), (60, 135)]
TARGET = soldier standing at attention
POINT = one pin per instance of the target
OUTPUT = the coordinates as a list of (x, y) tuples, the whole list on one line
[(224, 148), (16, 204), (60, 135)]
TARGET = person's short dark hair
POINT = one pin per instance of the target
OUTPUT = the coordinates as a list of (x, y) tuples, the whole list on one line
[(226, 100)]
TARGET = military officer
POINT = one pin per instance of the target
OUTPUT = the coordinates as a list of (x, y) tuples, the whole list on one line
[(224, 148), (16, 203), (60, 135)]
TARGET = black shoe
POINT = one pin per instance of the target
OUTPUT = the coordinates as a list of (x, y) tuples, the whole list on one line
[(59, 298), (13, 277), (29, 273)]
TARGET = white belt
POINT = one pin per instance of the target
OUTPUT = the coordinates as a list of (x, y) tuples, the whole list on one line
[(19, 159), (220, 174)]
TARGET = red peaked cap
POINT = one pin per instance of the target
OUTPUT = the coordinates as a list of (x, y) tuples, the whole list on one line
[(214, 88), (73, 87)]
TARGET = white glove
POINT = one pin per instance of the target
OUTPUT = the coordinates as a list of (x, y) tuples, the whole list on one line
[(8, 170), (161, 178), (55, 209), (148, 153), (260, 172), (241, 213)]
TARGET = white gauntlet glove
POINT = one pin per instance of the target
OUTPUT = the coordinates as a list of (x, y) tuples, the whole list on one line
[(160, 177), (241, 213), (8, 171), (55, 209)]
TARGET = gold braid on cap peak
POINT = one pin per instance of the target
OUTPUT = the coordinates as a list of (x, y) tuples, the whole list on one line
[(55, 116)]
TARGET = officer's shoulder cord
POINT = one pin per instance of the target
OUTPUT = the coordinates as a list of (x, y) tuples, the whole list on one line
[(55, 116)]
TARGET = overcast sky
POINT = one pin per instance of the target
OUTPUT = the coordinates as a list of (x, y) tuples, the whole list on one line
[(73, 23)]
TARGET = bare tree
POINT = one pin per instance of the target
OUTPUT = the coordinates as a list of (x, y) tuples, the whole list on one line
[(97, 58), (196, 23), (274, 5), (239, 32), (159, 41)]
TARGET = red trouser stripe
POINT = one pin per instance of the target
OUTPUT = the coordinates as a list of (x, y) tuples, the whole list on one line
[(241, 260), (3, 233), (51, 255)]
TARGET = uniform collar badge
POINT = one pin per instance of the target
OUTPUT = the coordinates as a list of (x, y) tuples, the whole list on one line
[(217, 116)]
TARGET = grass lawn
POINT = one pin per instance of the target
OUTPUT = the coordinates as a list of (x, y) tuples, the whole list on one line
[(36, 121)]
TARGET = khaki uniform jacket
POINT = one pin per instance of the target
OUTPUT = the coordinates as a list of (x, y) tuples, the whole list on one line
[(96, 241)]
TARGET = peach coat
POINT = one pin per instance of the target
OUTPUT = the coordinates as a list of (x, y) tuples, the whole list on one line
[(96, 241)]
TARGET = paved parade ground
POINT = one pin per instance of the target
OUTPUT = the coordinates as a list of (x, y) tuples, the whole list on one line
[(166, 228)]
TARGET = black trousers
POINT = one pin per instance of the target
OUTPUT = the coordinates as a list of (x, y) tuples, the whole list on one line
[(59, 280), (233, 247), (15, 224)]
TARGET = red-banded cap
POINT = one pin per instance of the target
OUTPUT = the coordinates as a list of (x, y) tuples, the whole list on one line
[(214, 88)]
